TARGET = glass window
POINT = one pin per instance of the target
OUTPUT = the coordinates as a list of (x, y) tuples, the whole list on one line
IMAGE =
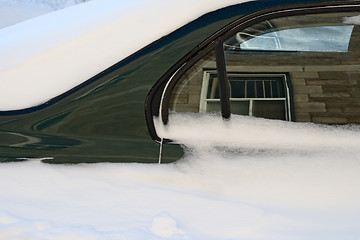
[(319, 56), (187, 92), (303, 67), (312, 39)]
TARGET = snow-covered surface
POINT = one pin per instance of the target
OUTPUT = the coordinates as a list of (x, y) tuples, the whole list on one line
[(48, 55), (233, 192), (249, 132), (352, 20), (14, 11), (264, 180)]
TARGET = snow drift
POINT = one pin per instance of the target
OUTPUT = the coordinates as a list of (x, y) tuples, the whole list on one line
[(15, 11), (48, 55), (214, 192)]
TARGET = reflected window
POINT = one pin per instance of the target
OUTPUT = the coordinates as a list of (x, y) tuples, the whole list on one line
[(311, 39), (258, 95), (320, 54)]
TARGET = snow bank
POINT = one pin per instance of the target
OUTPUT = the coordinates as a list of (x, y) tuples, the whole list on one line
[(244, 132), (112, 201), (214, 192), (12, 12), (48, 55)]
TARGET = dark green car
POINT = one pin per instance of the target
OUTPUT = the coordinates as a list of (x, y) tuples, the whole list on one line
[(291, 60)]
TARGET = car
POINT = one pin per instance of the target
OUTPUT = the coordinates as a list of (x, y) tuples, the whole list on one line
[(287, 60)]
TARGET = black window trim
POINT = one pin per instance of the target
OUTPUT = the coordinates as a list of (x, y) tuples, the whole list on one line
[(166, 83)]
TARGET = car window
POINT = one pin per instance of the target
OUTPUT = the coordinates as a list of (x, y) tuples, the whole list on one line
[(302, 67), (188, 92), (318, 57), (312, 39)]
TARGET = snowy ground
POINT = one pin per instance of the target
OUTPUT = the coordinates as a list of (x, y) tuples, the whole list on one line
[(244, 179), (288, 192)]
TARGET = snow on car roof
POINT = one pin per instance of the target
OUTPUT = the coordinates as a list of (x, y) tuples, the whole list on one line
[(48, 55)]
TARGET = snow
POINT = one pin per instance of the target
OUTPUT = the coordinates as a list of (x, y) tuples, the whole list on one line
[(78, 42), (11, 13), (352, 20), (15, 11), (299, 190), (242, 179), (256, 133), (132, 201)]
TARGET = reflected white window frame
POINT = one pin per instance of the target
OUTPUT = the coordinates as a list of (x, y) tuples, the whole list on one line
[(287, 99)]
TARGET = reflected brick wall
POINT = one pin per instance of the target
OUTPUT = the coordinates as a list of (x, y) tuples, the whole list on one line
[(325, 86)]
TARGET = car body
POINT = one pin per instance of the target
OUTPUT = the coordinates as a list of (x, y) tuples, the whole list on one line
[(112, 115)]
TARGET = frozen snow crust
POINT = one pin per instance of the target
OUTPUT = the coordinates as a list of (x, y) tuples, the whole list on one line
[(238, 192), (46, 56)]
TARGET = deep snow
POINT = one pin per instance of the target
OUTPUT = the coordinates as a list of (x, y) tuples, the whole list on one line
[(15, 11), (294, 191), (78, 42)]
